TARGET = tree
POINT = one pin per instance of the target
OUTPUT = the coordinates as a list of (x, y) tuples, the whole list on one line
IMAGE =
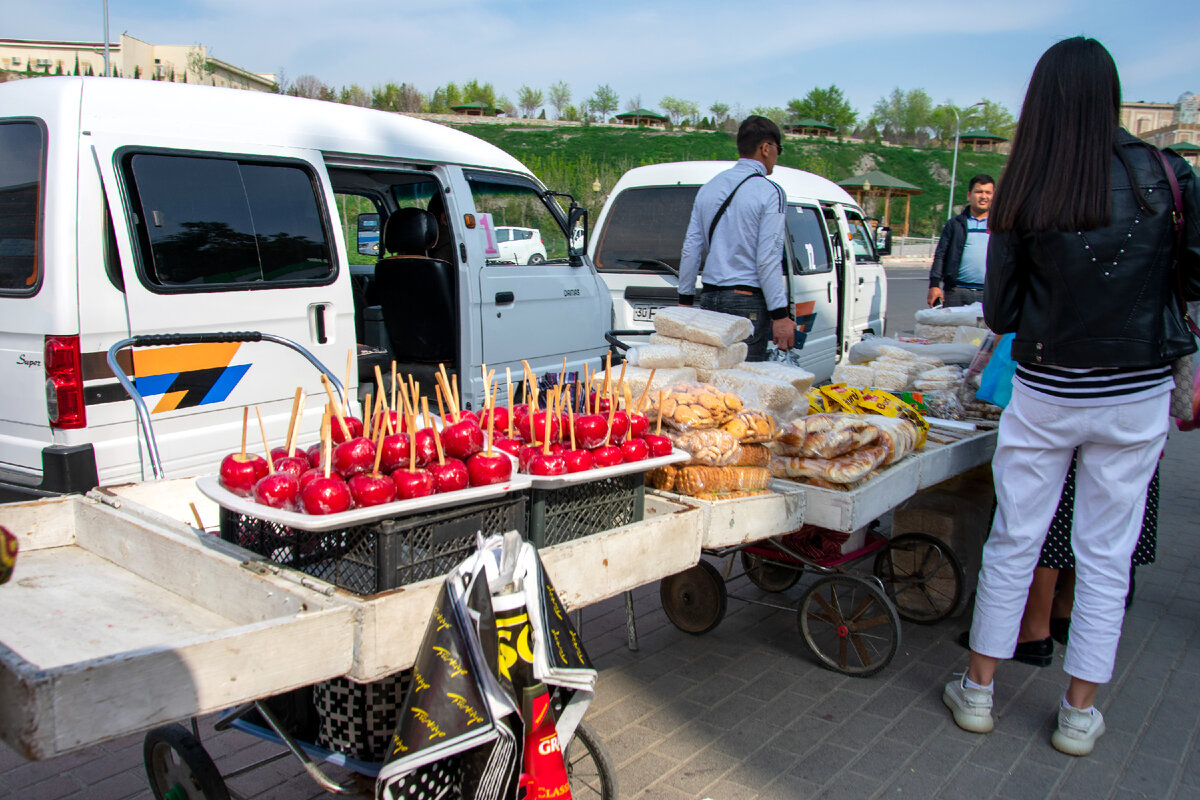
[(198, 63), (633, 103), (678, 110), (308, 86), (570, 113), (604, 101), (529, 100), (390, 97), (560, 98), (773, 113), (507, 106), (825, 105), (475, 92), (443, 98), (719, 111), (77, 72), (905, 116), (355, 95)]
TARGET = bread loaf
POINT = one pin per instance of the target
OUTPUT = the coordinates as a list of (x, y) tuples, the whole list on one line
[(700, 480), (843, 469)]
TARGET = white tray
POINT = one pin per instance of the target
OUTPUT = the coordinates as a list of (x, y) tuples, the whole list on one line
[(211, 487), (587, 476)]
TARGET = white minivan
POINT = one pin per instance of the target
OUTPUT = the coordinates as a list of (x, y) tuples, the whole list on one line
[(134, 207), (835, 281)]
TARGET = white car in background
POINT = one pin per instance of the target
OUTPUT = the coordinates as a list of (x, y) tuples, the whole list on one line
[(520, 245)]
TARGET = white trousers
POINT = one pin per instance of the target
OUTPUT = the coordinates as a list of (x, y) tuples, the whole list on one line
[(1119, 447)]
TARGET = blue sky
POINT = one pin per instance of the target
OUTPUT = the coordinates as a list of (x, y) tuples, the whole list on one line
[(742, 54)]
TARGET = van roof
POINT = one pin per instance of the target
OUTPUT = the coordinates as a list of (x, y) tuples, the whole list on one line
[(238, 118), (796, 183)]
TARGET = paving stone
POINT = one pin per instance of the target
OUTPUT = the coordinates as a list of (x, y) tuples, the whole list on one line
[(1030, 780), (1149, 775), (970, 782)]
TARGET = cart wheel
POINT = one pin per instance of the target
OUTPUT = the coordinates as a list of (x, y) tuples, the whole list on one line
[(924, 576), (770, 576), (179, 767), (849, 625), (589, 769), (694, 599)]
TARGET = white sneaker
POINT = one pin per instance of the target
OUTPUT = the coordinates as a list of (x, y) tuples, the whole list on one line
[(972, 708), (1077, 730)]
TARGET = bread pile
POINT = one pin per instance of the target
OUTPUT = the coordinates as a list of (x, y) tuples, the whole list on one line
[(899, 370), (841, 451)]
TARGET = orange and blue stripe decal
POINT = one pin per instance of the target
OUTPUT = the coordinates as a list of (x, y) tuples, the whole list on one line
[(187, 375)]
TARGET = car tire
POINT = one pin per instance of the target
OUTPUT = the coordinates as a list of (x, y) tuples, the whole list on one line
[(537, 258)]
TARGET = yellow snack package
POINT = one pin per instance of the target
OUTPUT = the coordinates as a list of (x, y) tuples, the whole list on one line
[(840, 397), (877, 401), (816, 402)]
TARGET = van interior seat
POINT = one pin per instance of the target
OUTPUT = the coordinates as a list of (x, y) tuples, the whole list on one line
[(417, 294)]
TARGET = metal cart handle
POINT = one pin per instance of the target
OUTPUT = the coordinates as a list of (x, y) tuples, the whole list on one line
[(161, 339), (616, 344)]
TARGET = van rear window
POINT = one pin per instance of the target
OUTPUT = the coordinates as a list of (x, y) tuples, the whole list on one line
[(645, 226), (22, 156), (210, 221)]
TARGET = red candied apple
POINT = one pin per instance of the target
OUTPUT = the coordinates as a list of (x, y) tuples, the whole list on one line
[(371, 489), (639, 426), (527, 452), (604, 403), (607, 456), (412, 483), (634, 450), (353, 423), (278, 453), (353, 457), (449, 476), (240, 471), (659, 445), (309, 476), (462, 439), (620, 426), (533, 426), (296, 465), (395, 452), (519, 412), (578, 460), (426, 446), (484, 469), (590, 430), (397, 420), (325, 496), (510, 446), (501, 419), (277, 490), (316, 455), (470, 416), (548, 464)]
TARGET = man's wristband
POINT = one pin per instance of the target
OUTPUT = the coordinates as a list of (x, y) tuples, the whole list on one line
[(687, 299), (779, 313)]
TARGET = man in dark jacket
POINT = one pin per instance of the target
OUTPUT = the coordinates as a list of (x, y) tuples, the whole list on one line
[(956, 277)]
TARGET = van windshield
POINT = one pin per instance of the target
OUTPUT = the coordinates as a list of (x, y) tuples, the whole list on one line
[(645, 229)]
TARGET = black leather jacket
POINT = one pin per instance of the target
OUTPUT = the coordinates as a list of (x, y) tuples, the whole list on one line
[(948, 256), (1104, 297)]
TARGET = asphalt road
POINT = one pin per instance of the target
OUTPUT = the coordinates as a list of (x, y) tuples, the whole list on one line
[(907, 287)]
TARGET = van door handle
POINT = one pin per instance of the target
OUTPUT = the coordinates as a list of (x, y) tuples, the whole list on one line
[(861, 280), (504, 298), (829, 291)]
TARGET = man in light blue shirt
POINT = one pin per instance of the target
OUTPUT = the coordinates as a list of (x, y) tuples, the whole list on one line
[(738, 222)]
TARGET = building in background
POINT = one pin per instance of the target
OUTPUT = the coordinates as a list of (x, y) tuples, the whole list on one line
[(1175, 125), (129, 58)]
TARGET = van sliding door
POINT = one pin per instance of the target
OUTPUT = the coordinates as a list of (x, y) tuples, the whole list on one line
[(814, 290)]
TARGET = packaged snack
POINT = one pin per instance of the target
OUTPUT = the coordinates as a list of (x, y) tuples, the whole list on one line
[(712, 448), (840, 397), (686, 406), (703, 356), (704, 480), (655, 356), (756, 391), (898, 436), (942, 405), (800, 378), (825, 435), (753, 455), (969, 334), (844, 469), (702, 326), (951, 315), (854, 374), (868, 350), (751, 426), (888, 405), (934, 333), (662, 478)]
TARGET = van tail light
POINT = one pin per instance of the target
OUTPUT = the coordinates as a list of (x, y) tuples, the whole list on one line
[(64, 383)]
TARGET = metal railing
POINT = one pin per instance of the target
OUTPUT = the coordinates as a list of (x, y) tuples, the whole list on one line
[(913, 247)]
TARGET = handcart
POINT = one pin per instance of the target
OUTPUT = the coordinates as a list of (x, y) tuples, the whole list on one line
[(177, 764)]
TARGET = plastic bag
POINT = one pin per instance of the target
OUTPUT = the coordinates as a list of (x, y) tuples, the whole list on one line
[(637, 377), (995, 383), (703, 356), (702, 326), (751, 426), (869, 349), (710, 448), (756, 391), (798, 377), (950, 315), (687, 406), (712, 480), (854, 374), (655, 356)]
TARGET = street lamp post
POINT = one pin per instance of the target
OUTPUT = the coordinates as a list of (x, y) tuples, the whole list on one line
[(954, 164)]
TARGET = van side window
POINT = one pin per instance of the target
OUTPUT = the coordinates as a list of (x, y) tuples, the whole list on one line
[(835, 236), (525, 227), (810, 245), (204, 222), (22, 165), (861, 238), (645, 230)]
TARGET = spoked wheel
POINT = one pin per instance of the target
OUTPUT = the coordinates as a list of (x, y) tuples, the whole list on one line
[(768, 575), (179, 768), (849, 625), (590, 772), (694, 599), (924, 575)]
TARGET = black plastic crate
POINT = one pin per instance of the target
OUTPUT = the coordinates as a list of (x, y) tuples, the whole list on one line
[(381, 555), (572, 512)]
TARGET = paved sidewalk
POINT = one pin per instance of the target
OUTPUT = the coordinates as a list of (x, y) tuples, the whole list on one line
[(744, 712)]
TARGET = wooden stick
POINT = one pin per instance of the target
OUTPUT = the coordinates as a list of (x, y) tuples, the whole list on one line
[(628, 395), (290, 441), (410, 420), (392, 407), (245, 421), (658, 425), (510, 405), (546, 443), (571, 419), (441, 408), (267, 447), (621, 380), (607, 375), (425, 412), (612, 409), (457, 403), (491, 412), (368, 426), (349, 366), (291, 446), (562, 375), (378, 442), (333, 402), (327, 443), (642, 398), (196, 516)]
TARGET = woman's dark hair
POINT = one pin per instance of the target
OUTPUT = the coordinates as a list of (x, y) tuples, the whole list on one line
[(1059, 174)]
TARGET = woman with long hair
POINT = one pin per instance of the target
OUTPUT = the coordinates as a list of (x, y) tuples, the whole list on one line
[(1083, 266)]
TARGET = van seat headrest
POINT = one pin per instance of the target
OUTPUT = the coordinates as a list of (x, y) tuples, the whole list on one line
[(410, 231)]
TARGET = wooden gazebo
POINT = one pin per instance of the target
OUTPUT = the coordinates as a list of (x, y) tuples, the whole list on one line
[(981, 141), (1188, 151), (810, 127), (642, 116), (476, 109), (880, 184)]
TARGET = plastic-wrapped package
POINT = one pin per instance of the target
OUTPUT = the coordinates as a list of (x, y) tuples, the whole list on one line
[(712, 480), (702, 326), (893, 380), (703, 356), (853, 374), (655, 356), (951, 315), (801, 378), (967, 334), (848, 468), (687, 406), (753, 455), (949, 372), (825, 435), (756, 391), (949, 353), (937, 386), (897, 436), (636, 378), (943, 405), (662, 478), (711, 448), (939, 334), (751, 426), (897, 353)]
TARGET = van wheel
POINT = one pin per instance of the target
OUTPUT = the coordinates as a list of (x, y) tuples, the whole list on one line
[(537, 258)]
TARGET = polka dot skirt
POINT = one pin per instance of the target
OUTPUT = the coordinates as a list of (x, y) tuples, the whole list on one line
[(1056, 551)]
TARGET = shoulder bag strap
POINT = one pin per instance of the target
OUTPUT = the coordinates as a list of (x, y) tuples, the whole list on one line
[(1177, 222), (724, 206)]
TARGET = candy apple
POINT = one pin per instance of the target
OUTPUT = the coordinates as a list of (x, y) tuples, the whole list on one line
[(353, 457), (510, 446), (620, 426), (316, 455), (308, 477), (533, 426), (371, 489), (426, 447), (277, 490), (353, 423), (395, 452), (603, 402), (548, 464), (296, 465), (325, 496), (607, 456), (634, 450), (470, 416), (449, 476), (396, 418), (527, 453), (578, 460), (658, 445), (240, 471), (639, 426), (278, 453), (462, 439), (500, 413), (412, 483), (484, 469), (590, 430)]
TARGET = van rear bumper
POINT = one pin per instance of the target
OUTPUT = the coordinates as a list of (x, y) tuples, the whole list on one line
[(65, 470)]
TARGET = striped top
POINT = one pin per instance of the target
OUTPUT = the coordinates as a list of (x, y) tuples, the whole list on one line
[(1097, 386)]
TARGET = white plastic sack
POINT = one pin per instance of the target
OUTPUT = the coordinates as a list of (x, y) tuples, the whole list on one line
[(655, 356), (757, 391), (868, 350), (701, 326), (957, 315), (704, 356), (798, 377)]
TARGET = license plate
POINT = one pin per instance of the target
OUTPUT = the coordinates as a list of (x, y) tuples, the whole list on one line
[(645, 312)]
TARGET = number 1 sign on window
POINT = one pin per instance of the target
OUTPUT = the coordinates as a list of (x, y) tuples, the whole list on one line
[(490, 247)]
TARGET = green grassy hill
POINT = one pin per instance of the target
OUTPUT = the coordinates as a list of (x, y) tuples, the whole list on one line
[(572, 159)]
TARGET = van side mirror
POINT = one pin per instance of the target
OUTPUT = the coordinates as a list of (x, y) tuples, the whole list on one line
[(883, 241), (368, 235), (577, 220)]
